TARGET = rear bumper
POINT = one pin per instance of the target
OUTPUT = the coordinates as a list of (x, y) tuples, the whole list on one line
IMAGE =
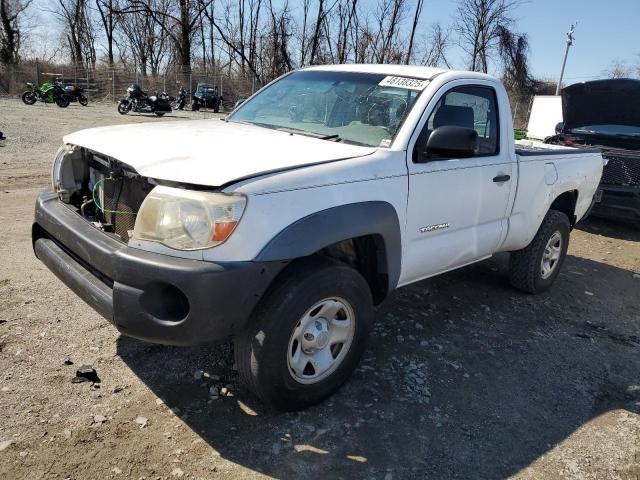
[(618, 203), (149, 296)]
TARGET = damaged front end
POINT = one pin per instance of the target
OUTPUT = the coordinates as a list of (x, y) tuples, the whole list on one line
[(102, 190)]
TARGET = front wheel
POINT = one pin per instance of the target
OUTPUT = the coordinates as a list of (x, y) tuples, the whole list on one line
[(534, 268), (29, 98), (124, 107), (159, 114), (62, 101), (307, 336)]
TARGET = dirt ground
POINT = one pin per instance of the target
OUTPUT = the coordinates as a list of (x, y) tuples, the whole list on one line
[(464, 377)]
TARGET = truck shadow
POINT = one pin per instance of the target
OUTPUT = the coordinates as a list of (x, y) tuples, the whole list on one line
[(464, 378), (610, 228)]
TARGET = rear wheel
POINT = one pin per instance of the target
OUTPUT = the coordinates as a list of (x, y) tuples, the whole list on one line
[(29, 98), (84, 101), (534, 268), (159, 114), (307, 336)]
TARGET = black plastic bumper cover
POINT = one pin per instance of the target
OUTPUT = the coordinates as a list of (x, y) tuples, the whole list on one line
[(619, 203), (149, 296)]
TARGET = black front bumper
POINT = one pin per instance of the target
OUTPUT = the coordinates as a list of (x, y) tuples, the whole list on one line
[(618, 203), (149, 296)]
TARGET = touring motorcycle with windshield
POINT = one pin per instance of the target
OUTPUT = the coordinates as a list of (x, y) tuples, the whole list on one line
[(138, 101)]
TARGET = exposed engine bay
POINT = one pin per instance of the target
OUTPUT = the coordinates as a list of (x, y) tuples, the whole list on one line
[(104, 191)]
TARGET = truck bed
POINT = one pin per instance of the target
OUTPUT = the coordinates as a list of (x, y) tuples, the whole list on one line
[(527, 148)]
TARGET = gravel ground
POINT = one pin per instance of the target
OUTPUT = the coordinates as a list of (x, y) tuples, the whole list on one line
[(464, 377)]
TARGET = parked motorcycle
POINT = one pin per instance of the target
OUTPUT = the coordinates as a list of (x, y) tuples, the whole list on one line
[(180, 100), (49, 92), (76, 94), (139, 101)]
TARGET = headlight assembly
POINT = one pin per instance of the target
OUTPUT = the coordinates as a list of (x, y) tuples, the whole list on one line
[(187, 219), (56, 169)]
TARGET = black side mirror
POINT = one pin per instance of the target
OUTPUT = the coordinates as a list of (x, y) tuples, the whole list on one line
[(452, 142)]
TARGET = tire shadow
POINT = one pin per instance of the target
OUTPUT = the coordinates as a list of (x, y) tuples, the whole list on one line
[(464, 378)]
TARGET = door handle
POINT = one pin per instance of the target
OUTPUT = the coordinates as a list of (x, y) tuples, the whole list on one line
[(501, 178)]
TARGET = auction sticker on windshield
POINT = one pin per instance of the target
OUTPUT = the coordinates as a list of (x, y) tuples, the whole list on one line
[(404, 82)]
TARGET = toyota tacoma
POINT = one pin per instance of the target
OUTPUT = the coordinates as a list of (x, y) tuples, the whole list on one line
[(328, 189)]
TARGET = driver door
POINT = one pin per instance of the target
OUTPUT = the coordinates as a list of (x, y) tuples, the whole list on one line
[(457, 206)]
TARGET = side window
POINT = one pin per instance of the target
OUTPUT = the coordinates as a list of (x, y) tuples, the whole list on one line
[(470, 107)]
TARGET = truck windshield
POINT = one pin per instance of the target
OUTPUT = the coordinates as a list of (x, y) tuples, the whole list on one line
[(356, 108)]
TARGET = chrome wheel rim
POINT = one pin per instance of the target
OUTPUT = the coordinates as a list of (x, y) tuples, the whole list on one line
[(551, 255), (321, 340)]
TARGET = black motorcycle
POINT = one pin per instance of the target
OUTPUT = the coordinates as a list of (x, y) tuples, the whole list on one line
[(139, 101), (76, 94), (180, 100)]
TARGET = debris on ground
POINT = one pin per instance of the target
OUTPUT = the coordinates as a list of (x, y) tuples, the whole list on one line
[(142, 421), (5, 444), (99, 419), (86, 373)]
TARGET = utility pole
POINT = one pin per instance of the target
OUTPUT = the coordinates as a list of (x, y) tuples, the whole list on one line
[(566, 54)]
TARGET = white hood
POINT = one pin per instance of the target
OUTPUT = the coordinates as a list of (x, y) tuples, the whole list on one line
[(209, 152)]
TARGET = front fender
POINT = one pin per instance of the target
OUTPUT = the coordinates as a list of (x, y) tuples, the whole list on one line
[(326, 227)]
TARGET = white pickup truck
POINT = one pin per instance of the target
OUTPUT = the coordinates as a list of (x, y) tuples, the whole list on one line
[(282, 225)]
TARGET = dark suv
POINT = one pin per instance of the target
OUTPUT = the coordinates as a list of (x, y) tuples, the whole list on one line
[(606, 114), (206, 96)]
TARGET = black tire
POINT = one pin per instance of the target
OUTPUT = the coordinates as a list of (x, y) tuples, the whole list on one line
[(159, 114), (62, 101), (123, 107), (261, 351), (84, 101), (525, 266), (29, 98)]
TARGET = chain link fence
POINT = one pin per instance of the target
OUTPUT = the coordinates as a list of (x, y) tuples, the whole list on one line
[(110, 84)]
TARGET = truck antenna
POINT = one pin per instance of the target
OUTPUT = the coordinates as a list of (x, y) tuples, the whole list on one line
[(566, 53)]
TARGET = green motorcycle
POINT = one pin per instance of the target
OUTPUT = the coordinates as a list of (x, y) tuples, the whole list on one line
[(49, 92)]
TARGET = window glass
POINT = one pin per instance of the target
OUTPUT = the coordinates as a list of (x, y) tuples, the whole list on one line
[(469, 107), (356, 108)]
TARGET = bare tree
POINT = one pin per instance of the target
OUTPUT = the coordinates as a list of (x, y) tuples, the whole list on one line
[(108, 16), (146, 38), (179, 21), (619, 69), (10, 35), (436, 53), (79, 31), (513, 48), (416, 19), (237, 50), (477, 23)]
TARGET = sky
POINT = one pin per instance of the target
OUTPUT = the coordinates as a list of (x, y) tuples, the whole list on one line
[(606, 30)]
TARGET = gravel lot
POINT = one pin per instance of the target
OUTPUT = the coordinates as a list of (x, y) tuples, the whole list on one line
[(464, 377)]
